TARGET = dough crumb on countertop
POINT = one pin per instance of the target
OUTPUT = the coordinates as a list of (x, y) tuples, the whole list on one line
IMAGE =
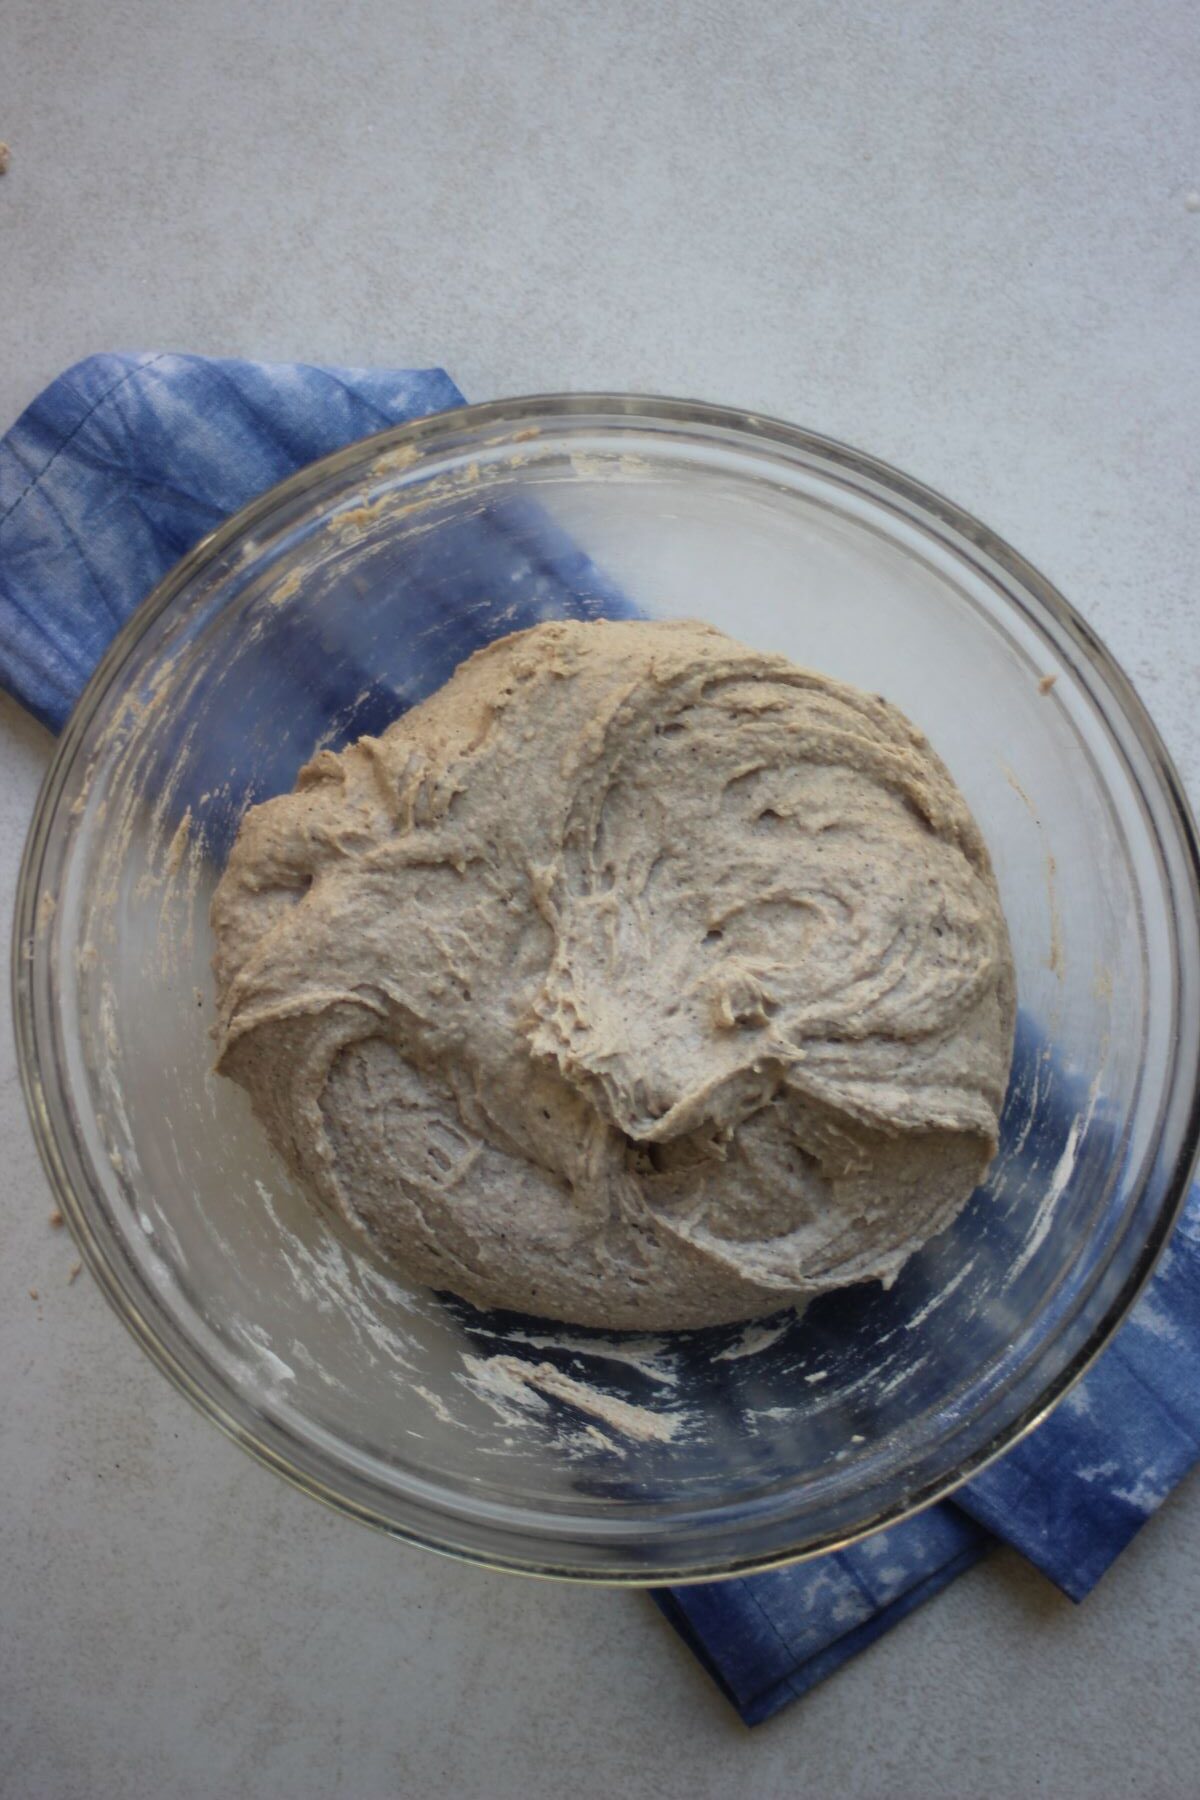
[(635, 978)]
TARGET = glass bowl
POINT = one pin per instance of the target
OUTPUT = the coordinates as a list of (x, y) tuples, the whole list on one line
[(320, 612)]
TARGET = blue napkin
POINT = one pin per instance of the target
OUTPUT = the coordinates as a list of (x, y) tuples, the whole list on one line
[(116, 470)]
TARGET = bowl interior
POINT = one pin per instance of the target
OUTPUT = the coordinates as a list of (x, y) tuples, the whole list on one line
[(355, 590)]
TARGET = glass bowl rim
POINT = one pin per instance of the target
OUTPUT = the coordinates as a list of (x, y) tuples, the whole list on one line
[(509, 416)]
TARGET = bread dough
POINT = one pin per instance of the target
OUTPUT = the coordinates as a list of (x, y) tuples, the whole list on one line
[(633, 979)]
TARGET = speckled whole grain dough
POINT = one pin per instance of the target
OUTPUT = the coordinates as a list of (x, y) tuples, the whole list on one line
[(633, 979)]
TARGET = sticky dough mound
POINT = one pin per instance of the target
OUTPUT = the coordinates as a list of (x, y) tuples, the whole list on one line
[(633, 979)]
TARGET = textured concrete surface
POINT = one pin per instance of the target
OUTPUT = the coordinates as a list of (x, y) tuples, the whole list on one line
[(960, 236)]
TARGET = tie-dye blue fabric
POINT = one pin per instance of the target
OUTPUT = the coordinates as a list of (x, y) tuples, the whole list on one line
[(116, 470)]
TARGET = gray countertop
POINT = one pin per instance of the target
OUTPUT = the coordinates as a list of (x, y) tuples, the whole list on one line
[(966, 238)]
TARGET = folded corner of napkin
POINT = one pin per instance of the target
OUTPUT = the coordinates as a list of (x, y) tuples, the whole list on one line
[(125, 461)]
